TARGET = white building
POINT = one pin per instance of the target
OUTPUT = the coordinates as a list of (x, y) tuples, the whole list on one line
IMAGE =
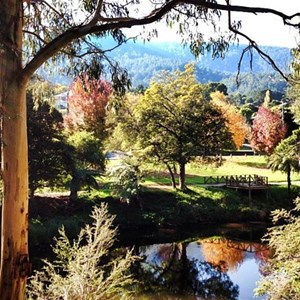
[(61, 102)]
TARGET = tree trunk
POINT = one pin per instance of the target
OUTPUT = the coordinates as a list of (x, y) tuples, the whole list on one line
[(14, 228), (75, 183), (289, 182), (182, 185), (74, 187), (172, 176)]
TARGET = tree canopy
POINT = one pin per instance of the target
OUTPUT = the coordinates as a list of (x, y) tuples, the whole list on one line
[(175, 123), (45, 144), (294, 88), (87, 103), (268, 130), (235, 121)]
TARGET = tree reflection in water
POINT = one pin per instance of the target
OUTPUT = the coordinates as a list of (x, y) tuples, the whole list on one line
[(222, 257), (227, 255), (169, 268), (197, 270)]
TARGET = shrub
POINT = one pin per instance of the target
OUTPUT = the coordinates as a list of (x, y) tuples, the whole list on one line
[(81, 270), (126, 181), (282, 279)]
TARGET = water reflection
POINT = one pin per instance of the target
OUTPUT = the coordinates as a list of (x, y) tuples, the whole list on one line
[(215, 268)]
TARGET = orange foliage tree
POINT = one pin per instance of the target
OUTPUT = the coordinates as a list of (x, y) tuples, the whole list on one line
[(235, 121), (219, 255)]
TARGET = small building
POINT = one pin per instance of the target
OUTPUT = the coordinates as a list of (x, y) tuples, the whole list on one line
[(61, 101)]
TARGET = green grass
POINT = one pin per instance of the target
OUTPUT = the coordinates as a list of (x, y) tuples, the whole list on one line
[(243, 165), (235, 165), (164, 207)]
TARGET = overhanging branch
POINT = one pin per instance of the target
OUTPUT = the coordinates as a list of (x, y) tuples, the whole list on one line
[(252, 45), (108, 24)]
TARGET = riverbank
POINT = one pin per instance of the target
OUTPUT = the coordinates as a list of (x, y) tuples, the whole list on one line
[(158, 210)]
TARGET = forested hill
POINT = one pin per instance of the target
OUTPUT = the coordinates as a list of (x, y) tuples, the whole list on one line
[(143, 60)]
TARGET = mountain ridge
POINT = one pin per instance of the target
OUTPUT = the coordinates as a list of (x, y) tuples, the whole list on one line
[(144, 60)]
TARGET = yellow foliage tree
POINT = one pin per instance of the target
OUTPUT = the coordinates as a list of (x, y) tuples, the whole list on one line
[(234, 119)]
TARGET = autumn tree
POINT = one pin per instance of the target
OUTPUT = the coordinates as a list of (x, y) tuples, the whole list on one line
[(268, 130), (235, 122), (174, 270), (220, 255), (175, 124), (87, 103), (38, 31)]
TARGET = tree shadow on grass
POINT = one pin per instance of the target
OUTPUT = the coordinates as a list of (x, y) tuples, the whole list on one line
[(252, 164)]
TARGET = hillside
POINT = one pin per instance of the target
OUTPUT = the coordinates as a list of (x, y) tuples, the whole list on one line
[(144, 60)]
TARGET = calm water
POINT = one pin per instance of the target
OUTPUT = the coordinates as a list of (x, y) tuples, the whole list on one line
[(206, 268)]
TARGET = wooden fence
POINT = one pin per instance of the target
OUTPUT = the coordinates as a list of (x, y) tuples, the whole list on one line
[(248, 182), (238, 181)]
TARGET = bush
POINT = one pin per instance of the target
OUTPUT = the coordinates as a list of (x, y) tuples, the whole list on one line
[(81, 270), (282, 279), (126, 181)]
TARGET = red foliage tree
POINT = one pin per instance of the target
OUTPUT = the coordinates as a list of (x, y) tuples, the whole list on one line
[(268, 130), (87, 103)]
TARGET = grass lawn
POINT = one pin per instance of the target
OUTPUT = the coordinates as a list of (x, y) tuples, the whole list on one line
[(163, 207), (235, 165)]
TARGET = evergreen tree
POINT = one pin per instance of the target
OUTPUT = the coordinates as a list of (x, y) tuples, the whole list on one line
[(46, 145)]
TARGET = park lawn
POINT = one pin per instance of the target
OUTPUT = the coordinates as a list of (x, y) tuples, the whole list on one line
[(161, 205), (235, 165)]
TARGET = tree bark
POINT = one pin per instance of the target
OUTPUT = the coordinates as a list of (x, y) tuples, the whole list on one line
[(182, 185), (172, 176), (289, 181), (14, 165), (74, 186)]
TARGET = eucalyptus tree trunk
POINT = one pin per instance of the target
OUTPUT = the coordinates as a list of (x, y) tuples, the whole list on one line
[(14, 164)]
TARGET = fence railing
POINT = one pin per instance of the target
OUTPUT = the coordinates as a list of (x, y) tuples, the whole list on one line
[(237, 180)]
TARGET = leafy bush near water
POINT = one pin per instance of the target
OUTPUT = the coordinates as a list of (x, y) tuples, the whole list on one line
[(282, 279), (81, 270)]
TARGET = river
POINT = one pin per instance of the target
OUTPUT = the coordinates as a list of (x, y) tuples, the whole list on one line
[(217, 266)]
